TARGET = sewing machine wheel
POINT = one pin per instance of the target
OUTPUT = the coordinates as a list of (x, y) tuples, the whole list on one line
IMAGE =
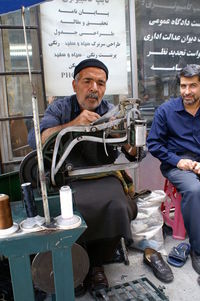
[(42, 269), (28, 171), (48, 149)]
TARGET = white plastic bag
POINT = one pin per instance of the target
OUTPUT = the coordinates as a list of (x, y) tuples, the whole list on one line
[(147, 227)]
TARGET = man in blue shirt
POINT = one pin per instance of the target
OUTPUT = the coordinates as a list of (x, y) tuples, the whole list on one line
[(174, 139), (102, 201)]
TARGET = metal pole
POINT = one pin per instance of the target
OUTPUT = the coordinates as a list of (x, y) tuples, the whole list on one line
[(133, 56), (133, 47), (37, 132)]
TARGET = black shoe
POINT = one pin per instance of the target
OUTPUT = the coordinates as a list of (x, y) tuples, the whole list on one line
[(80, 290), (96, 279), (195, 261), (160, 268)]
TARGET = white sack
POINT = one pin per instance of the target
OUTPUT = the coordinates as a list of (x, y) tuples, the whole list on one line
[(147, 227)]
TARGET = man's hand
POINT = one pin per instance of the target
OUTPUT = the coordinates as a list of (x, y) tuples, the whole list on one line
[(196, 169), (130, 149), (85, 118), (187, 164)]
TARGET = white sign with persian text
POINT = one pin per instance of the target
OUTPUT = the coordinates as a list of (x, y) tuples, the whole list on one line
[(73, 30)]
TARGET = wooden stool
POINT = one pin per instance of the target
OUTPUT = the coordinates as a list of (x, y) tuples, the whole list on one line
[(173, 203)]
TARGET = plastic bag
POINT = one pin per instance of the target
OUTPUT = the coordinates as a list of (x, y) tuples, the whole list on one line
[(147, 227)]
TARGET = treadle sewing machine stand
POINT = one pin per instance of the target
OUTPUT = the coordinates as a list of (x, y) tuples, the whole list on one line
[(19, 247), (125, 126)]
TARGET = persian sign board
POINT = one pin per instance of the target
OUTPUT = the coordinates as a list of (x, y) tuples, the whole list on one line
[(169, 35), (75, 30)]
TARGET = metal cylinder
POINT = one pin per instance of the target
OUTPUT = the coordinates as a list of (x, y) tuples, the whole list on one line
[(66, 203), (140, 133), (5, 212)]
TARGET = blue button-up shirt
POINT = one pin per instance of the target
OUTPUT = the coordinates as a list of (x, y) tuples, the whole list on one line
[(174, 132), (63, 111)]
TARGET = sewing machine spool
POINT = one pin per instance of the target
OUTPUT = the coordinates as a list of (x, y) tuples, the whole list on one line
[(7, 227), (67, 220), (140, 133), (42, 269), (34, 221)]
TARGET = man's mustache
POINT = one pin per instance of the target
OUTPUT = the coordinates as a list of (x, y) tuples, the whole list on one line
[(92, 95)]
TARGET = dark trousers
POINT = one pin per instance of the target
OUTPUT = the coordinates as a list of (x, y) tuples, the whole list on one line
[(188, 185), (107, 211), (101, 251)]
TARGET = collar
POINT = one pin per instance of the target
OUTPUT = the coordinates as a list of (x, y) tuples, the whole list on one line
[(180, 107)]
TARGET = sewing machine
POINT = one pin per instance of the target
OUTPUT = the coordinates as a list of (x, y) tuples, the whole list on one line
[(121, 125)]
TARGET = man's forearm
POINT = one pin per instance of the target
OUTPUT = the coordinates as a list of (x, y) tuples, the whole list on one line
[(85, 118), (50, 131)]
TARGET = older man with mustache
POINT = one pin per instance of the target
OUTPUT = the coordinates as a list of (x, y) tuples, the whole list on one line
[(102, 201), (174, 139)]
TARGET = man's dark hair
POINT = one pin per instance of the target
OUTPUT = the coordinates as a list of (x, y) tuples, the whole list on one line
[(189, 71)]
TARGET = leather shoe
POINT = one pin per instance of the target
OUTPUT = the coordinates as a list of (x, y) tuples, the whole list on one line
[(96, 279), (195, 261), (160, 268), (80, 290)]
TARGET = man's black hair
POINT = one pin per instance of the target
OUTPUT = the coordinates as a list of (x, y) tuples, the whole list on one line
[(189, 71)]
